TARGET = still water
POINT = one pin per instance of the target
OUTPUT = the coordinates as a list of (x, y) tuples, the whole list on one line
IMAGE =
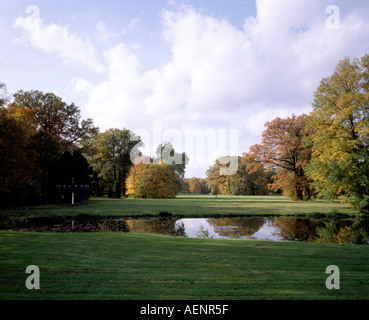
[(273, 229), (355, 231), (226, 228)]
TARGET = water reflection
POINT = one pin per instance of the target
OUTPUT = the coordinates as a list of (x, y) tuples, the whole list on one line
[(276, 228), (298, 229), (236, 227), (355, 232), (169, 227)]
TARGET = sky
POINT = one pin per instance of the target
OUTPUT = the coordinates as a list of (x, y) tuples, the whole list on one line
[(203, 75)]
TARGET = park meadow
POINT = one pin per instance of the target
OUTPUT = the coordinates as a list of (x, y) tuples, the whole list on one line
[(310, 171), (147, 266)]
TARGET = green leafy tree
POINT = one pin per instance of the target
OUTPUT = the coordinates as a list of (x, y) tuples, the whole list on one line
[(110, 156), (72, 166), (215, 190), (250, 178), (340, 123), (177, 161), (204, 186), (47, 152), (117, 190)]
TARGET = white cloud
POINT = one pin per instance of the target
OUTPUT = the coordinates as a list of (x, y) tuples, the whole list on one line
[(58, 40), (118, 101), (103, 34), (219, 76), (131, 25)]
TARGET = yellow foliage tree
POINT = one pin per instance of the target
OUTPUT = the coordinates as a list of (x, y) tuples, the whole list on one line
[(133, 179), (152, 181), (340, 122)]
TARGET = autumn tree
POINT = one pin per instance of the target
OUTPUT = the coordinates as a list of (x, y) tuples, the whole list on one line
[(133, 179), (152, 181), (282, 148), (214, 176), (26, 117), (340, 122), (158, 177), (176, 161), (52, 127), (195, 185), (51, 114), (16, 158)]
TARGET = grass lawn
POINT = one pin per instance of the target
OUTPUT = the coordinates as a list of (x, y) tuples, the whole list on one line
[(152, 267), (189, 205)]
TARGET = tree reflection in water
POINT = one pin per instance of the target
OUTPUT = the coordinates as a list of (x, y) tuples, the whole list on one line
[(236, 227), (283, 228), (355, 231), (297, 229), (157, 226), (344, 232)]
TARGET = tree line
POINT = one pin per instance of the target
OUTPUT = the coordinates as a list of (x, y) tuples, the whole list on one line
[(323, 154), (40, 146), (44, 143)]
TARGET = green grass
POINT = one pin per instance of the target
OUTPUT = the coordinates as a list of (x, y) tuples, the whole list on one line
[(141, 266), (189, 206)]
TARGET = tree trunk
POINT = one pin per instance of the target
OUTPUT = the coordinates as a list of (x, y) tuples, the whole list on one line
[(299, 195), (308, 193)]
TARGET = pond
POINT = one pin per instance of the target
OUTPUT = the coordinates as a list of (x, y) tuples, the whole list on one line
[(354, 231), (273, 229)]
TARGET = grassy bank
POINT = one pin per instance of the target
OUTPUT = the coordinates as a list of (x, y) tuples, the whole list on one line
[(139, 266), (189, 206)]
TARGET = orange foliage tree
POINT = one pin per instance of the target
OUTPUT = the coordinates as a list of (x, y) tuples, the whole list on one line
[(195, 185), (282, 148)]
